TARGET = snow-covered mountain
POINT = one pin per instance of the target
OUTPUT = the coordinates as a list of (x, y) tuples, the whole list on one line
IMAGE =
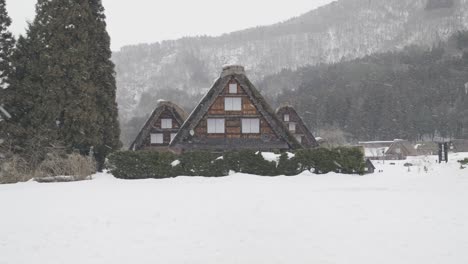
[(346, 29)]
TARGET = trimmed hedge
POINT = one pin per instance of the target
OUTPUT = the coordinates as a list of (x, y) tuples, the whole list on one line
[(146, 164), (142, 165)]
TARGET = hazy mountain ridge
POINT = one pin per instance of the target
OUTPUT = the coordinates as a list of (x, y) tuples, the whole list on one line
[(345, 29)]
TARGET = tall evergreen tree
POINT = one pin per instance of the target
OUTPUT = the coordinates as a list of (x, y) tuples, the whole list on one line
[(103, 76), (71, 85), (7, 43)]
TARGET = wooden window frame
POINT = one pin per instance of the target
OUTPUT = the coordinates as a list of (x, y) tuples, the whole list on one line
[(299, 138), (165, 121), (173, 135), (217, 126), (249, 120), (155, 136), (231, 88), (229, 104), (292, 125)]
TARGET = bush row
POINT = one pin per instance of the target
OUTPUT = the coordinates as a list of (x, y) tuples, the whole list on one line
[(147, 164)]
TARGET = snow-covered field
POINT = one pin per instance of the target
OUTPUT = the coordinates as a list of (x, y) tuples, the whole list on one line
[(391, 217)]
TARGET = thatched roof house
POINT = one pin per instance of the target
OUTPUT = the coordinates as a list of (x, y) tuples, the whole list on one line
[(160, 128), (296, 126), (233, 115), (375, 149), (400, 150)]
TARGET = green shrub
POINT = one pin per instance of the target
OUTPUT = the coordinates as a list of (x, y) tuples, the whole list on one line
[(288, 166), (320, 160), (142, 165), (350, 160), (464, 161), (145, 164), (202, 164), (251, 162)]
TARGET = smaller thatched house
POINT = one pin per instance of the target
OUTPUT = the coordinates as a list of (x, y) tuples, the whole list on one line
[(375, 150), (296, 126), (160, 128), (388, 150), (369, 168), (400, 150)]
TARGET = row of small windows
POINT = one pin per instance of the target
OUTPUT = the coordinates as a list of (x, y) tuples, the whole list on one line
[(249, 126), (158, 138), (292, 126), (233, 103)]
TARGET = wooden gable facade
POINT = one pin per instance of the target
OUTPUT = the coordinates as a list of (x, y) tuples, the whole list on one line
[(160, 128), (232, 116), (296, 126)]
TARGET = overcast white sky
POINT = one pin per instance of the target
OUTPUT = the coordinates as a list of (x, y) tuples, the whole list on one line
[(147, 21)]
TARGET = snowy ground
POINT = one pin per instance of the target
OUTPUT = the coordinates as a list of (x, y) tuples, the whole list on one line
[(390, 217)]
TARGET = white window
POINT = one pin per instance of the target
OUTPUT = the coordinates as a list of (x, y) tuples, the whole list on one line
[(299, 138), (292, 127), (173, 136), (250, 125), (232, 104), (286, 118), (216, 126), (157, 138), (166, 123), (233, 88)]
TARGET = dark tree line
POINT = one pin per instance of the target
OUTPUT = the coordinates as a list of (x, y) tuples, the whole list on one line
[(62, 90), (414, 94)]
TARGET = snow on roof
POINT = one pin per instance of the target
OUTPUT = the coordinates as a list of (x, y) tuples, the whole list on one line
[(375, 152)]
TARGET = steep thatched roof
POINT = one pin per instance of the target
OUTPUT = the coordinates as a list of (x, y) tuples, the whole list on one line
[(300, 122), (179, 114), (234, 73), (406, 148)]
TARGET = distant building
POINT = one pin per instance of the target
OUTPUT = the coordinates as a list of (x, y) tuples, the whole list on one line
[(160, 128), (370, 168), (375, 150), (400, 150), (296, 126), (388, 150)]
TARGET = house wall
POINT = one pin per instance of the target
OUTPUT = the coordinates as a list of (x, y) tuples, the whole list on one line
[(233, 138), (156, 127), (300, 130)]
